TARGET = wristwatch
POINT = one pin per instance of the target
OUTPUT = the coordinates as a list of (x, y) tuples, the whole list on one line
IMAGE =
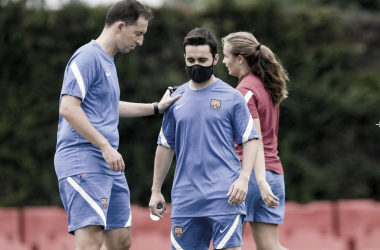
[(155, 106)]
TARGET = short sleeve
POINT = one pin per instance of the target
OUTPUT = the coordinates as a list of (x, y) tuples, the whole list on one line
[(251, 100), (166, 137), (244, 127), (80, 73)]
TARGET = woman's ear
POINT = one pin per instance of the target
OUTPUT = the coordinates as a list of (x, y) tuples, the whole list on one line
[(240, 59)]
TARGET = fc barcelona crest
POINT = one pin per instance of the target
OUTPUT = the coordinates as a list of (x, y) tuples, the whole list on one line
[(215, 104), (104, 203), (178, 232)]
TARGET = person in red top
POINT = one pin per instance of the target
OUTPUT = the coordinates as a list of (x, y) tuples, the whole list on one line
[(262, 81)]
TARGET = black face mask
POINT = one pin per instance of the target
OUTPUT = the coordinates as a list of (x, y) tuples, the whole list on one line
[(199, 73)]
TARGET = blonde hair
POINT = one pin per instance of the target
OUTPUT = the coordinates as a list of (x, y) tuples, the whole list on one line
[(262, 62)]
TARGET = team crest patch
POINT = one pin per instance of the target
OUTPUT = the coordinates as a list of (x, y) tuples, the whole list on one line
[(215, 104), (178, 232), (104, 203)]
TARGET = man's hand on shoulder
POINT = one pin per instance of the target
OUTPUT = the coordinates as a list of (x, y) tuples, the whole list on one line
[(166, 101)]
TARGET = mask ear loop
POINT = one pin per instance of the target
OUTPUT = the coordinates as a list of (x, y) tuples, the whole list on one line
[(213, 65)]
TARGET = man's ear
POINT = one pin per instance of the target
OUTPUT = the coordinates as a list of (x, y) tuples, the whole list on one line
[(216, 58), (119, 26)]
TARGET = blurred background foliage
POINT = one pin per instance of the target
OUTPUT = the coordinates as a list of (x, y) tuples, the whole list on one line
[(328, 140)]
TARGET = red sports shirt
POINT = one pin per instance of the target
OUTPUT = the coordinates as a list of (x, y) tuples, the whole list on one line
[(261, 106)]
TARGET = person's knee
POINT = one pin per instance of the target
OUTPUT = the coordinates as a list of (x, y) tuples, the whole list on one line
[(269, 246), (265, 236), (265, 247), (127, 243), (88, 245), (89, 238), (122, 243)]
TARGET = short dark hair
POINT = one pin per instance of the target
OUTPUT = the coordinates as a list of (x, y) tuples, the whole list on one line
[(201, 36), (127, 11)]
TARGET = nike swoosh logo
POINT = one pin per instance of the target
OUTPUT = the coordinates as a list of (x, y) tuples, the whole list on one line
[(224, 229), (108, 73), (177, 107)]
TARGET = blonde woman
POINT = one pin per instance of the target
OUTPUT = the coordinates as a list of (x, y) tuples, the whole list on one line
[(262, 81)]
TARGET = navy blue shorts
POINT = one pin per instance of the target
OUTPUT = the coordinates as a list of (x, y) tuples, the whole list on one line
[(195, 233), (96, 199), (255, 206)]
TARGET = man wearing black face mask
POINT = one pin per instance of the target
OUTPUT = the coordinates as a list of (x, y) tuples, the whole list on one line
[(199, 64), (209, 185)]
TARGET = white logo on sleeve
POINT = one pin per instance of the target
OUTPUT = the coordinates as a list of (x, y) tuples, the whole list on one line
[(224, 229), (108, 74), (177, 107)]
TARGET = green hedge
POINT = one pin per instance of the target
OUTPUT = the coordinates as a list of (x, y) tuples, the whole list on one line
[(326, 143)]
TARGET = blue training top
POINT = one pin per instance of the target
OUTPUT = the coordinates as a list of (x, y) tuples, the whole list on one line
[(202, 126), (90, 75)]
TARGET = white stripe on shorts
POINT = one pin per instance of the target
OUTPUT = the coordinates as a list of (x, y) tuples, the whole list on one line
[(129, 222), (79, 78), (229, 233), (174, 242), (90, 201)]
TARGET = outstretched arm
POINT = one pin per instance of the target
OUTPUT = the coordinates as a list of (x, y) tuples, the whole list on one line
[(73, 113), (131, 109), (162, 162)]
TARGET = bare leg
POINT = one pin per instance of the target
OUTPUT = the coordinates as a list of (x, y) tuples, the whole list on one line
[(244, 224), (89, 238), (117, 239), (265, 236)]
